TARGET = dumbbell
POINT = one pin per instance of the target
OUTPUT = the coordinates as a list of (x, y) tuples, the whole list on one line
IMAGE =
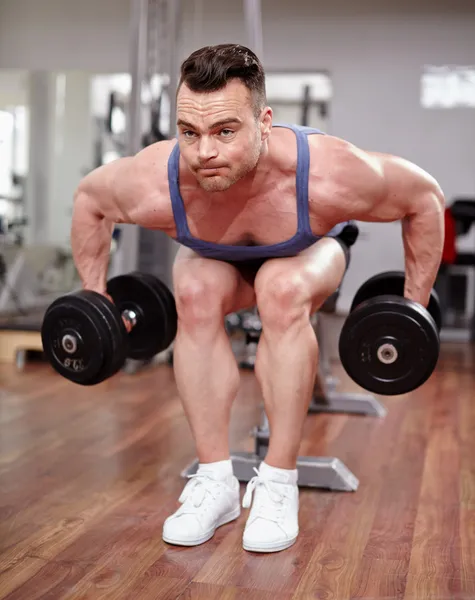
[(85, 337), (388, 344)]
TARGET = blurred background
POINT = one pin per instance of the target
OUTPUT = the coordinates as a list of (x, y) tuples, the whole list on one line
[(82, 83)]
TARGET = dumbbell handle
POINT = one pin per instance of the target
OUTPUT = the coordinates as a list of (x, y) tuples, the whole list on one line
[(69, 342), (387, 353), (129, 317)]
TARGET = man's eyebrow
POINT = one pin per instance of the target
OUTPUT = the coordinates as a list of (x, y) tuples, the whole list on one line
[(184, 123)]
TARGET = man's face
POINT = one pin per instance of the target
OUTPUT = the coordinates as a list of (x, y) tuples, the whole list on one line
[(219, 137)]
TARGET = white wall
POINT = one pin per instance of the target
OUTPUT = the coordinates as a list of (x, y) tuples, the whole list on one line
[(375, 54), (13, 88), (64, 34)]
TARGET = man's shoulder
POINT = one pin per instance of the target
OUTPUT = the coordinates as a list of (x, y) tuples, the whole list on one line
[(335, 155), (330, 143), (157, 153), (151, 163)]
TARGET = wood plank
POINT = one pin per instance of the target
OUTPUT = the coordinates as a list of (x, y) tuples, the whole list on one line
[(206, 591), (434, 567)]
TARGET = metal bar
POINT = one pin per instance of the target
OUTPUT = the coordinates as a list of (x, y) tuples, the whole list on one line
[(253, 20), (138, 72), (174, 25), (129, 245)]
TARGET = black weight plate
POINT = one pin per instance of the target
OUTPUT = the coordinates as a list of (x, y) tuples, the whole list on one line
[(117, 336), (392, 283), (405, 324), (169, 303), (172, 315), (153, 282), (134, 293), (77, 314)]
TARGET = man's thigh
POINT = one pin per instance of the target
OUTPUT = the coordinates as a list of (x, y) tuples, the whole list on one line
[(313, 275)]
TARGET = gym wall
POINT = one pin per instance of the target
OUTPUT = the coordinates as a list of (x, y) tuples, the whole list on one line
[(375, 55)]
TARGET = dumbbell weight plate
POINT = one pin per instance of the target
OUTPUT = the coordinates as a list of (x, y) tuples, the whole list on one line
[(171, 312), (392, 283), (118, 337), (84, 316), (171, 323), (133, 292), (389, 322)]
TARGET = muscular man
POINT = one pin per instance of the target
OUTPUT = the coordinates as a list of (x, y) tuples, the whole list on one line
[(261, 213)]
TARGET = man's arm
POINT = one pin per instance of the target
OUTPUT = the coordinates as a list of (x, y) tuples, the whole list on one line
[(377, 187), (422, 223), (124, 191), (95, 211)]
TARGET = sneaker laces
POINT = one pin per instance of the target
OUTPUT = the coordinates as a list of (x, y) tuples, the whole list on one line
[(195, 491), (271, 511)]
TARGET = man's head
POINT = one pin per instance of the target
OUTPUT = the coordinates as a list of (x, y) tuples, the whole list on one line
[(222, 116)]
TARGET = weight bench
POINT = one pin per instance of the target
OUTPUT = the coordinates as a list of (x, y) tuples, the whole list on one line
[(18, 335), (327, 399), (314, 472)]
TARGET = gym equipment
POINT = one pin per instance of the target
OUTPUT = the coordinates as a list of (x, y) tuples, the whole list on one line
[(251, 325), (87, 338), (31, 277), (388, 344), (392, 283), (326, 398), (232, 322), (20, 338), (455, 282), (314, 472)]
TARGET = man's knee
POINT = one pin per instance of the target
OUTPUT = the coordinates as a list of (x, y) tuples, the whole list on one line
[(282, 295), (200, 297)]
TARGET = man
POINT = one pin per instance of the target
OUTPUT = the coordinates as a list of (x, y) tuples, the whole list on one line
[(261, 214)]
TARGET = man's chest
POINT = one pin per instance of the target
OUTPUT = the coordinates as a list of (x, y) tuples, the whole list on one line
[(269, 218)]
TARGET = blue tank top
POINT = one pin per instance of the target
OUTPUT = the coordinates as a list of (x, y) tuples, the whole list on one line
[(303, 238)]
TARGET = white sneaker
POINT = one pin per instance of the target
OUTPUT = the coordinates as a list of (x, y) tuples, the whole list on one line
[(207, 502), (272, 524)]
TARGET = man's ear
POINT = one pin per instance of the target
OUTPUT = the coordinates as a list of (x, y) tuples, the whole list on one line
[(266, 122)]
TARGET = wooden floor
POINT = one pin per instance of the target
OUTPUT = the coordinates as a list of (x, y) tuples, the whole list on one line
[(87, 477)]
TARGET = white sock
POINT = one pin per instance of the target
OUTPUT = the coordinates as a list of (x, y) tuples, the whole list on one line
[(222, 469), (278, 474)]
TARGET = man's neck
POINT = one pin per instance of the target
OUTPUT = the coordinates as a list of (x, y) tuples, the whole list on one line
[(255, 182)]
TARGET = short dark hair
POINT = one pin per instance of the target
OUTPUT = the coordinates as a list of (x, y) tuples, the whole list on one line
[(210, 68)]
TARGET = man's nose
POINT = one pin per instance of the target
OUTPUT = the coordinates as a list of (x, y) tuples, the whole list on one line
[(207, 149)]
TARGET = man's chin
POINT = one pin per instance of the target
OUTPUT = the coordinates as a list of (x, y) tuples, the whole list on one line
[(214, 184)]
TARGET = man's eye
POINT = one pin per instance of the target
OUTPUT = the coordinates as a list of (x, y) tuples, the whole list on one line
[(226, 132), (189, 134)]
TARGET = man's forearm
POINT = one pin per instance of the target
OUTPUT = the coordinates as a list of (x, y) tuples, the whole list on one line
[(90, 242), (423, 237)]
